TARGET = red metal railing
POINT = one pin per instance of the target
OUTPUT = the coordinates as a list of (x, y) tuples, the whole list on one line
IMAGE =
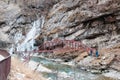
[(74, 45), (56, 45), (5, 65)]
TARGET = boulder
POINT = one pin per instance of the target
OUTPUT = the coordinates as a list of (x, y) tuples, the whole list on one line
[(100, 63)]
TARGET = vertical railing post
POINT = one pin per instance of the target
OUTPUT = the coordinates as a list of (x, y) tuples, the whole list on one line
[(43, 46), (48, 45), (75, 45)]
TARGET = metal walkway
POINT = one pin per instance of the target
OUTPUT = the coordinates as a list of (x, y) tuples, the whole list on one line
[(56, 46)]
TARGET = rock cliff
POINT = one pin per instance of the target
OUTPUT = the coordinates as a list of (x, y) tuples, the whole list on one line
[(92, 22), (8, 14), (95, 23)]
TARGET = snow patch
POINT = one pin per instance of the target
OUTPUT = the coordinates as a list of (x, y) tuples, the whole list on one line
[(1, 57)]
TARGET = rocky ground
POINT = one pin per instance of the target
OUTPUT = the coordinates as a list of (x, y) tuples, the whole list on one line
[(107, 61)]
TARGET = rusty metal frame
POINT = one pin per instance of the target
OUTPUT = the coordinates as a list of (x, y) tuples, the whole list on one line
[(5, 65)]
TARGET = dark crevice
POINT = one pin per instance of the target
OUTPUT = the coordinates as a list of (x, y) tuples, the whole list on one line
[(85, 25), (73, 8), (75, 24), (67, 34), (97, 17), (38, 42), (118, 31), (2, 24), (77, 28), (93, 36)]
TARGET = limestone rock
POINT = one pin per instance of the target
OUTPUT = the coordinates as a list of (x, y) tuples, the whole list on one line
[(81, 56), (96, 17), (8, 14), (108, 59), (102, 62)]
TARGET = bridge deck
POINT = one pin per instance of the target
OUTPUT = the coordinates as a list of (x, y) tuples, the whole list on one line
[(57, 46)]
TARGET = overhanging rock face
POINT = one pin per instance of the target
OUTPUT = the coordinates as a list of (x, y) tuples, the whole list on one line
[(86, 20)]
